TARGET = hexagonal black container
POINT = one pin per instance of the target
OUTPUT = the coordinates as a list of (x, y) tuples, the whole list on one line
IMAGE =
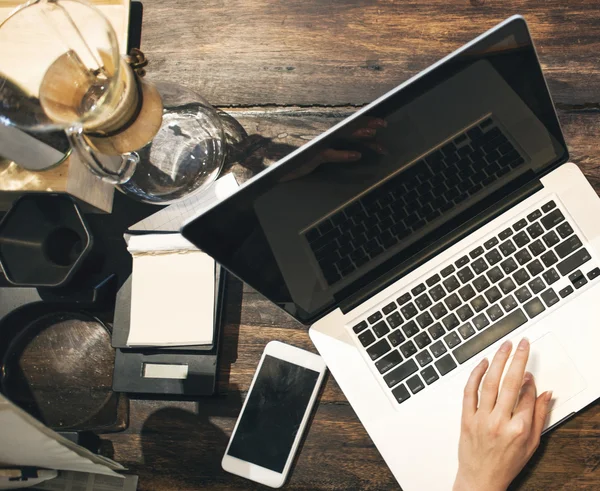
[(43, 240)]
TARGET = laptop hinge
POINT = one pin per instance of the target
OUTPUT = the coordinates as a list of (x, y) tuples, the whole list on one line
[(478, 221)]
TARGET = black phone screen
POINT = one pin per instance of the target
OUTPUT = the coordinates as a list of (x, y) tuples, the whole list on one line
[(273, 413)]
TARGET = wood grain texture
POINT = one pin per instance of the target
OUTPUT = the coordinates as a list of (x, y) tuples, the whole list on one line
[(178, 445), (240, 52)]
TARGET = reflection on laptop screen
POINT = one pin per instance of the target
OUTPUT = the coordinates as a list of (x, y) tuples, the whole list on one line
[(391, 182)]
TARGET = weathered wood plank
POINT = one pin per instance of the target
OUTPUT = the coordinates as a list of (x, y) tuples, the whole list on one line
[(319, 52)]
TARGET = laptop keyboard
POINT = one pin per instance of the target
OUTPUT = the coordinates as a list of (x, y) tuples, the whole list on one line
[(476, 300), (406, 202)]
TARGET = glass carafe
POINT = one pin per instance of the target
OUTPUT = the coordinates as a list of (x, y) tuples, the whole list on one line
[(60, 68)]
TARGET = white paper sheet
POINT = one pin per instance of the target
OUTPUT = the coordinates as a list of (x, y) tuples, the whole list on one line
[(78, 481), (172, 292), (24, 441)]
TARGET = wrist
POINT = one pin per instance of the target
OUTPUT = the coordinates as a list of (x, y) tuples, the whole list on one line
[(465, 482)]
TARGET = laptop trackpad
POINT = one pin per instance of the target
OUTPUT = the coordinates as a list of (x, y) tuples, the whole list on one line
[(554, 370)]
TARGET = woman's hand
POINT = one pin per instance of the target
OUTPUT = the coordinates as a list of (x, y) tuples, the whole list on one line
[(500, 430)]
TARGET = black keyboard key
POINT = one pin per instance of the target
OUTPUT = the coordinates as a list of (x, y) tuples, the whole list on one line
[(507, 248), (521, 239), (494, 312), (451, 284), (452, 301), (549, 258), (400, 373), (490, 243), (505, 234), (523, 257), (423, 301), (568, 246), (439, 310), (480, 321), (551, 239), (508, 303), (381, 329), (479, 266), (437, 293), (535, 268), (466, 330), (532, 217), (507, 285), (436, 331), (549, 297), (447, 270), (388, 362), (573, 261), (418, 289), (548, 206), (424, 358), (390, 307), (521, 276), (520, 224), (552, 219), (466, 292), (535, 230), (424, 320), (396, 338), (476, 252), (429, 375), (567, 290), (523, 294), (465, 275), (394, 320), (493, 256), (509, 265), (409, 311), (379, 349), (360, 327), (495, 274), (366, 338), (415, 384), (594, 273), (438, 348), (464, 313), (534, 307), (445, 364), (479, 303), (493, 294), (551, 276), (536, 285), (403, 299), (422, 340), (481, 283), (408, 349), (490, 335), (401, 393), (564, 230), (578, 279), (373, 318), (462, 261), (433, 280), (537, 247), (410, 329), (452, 340), (450, 322)]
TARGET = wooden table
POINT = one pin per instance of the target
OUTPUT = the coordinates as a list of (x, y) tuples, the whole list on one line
[(288, 70)]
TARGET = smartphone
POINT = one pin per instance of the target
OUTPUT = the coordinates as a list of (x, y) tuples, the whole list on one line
[(275, 414)]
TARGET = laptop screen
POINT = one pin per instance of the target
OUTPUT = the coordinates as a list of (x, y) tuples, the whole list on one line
[(392, 181)]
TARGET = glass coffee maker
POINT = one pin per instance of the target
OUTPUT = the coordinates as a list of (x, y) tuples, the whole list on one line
[(61, 69)]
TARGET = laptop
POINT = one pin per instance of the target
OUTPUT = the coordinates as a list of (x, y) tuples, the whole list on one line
[(414, 252)]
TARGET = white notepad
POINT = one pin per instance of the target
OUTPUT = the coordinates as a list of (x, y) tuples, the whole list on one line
[(172, 292)]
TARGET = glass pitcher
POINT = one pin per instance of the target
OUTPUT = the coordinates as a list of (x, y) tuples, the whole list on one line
[(61, 69)]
